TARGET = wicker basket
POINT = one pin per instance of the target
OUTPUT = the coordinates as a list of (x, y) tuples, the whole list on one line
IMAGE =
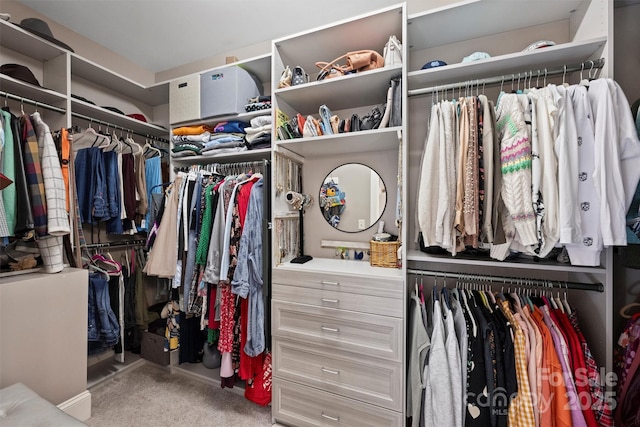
[(384, 254)]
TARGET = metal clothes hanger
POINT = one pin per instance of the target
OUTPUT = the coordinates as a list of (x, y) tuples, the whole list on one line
[(149, 150), (565, 302), (88, 264), (559, 301)]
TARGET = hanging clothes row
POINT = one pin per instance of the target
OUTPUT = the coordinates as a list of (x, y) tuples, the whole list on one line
[(34, 204), (543, 169), (117, 299), (115, 178), (484, 358), (208, 237)]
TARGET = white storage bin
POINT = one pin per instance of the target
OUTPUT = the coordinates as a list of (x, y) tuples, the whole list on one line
[(184, 99), (225, 91)]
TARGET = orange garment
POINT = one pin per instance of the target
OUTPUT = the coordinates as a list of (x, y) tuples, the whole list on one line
[(65, 150), (556, 410), (521, 407), (192, 130)]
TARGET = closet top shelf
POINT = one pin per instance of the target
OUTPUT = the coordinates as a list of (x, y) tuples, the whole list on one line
[(157, 94), (369, 31), (554, 56), (471, 19), (15, 38)]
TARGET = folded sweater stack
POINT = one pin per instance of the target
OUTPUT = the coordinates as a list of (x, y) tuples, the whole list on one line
[(258, 135), (204, 140)]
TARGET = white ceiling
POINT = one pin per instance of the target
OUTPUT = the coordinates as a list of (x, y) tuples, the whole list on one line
[(162, 34)]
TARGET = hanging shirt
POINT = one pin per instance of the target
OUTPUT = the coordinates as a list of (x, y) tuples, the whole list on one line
[(247, 279), (562, 351), (554, 400), (578, 367), (419, 345), (477, 410), (587, 250), (521, 407), (23, 212), (599, 403), (33, 169), (429, 182), (471, 204), (566, 148), (453, 359), (515, 148), (9, 195), (617, 150), (488, 152), (439, 401)]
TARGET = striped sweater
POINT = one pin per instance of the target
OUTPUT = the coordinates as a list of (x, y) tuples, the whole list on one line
[(515, 162)]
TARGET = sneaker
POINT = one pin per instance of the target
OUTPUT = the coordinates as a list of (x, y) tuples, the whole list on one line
[(298, 76)]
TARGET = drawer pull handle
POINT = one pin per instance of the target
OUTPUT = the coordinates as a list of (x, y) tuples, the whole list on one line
[(333, 301), (329, 371), (329, 417), (325, 282), (326, 328)]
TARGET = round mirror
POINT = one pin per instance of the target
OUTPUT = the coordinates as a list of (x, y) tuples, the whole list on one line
[(352, 197)]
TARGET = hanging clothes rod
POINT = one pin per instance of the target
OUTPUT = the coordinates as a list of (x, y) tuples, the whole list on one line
[(224, 167), (588, 66), (32, 102), (102, 122), (235, 165), (538, 283), (121, 244)]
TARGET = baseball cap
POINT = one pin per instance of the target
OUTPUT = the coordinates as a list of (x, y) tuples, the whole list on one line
[(433, 64)]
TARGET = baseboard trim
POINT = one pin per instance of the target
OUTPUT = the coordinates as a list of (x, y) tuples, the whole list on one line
[(78, 406)]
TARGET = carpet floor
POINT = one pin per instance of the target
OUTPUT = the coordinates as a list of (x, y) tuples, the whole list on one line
[(151, 396)]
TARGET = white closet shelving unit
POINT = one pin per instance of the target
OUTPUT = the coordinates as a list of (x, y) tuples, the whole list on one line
[(582, 31), (338, 325), (62, 73)]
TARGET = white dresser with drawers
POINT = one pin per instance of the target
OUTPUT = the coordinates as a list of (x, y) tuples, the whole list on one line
[(338, 344)]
